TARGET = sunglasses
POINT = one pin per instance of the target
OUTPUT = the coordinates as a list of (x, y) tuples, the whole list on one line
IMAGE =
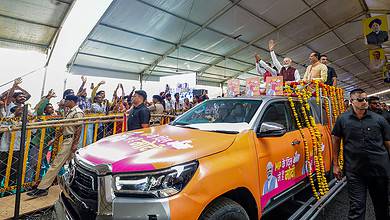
[(360, 99)]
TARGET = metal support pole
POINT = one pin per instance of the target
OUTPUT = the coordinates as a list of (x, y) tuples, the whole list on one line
[(141, 76), (44, 82), (20, 165)]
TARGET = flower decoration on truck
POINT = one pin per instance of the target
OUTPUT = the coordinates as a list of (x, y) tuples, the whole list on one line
[(303, 92)]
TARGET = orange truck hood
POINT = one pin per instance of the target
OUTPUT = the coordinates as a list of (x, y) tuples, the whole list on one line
[(154, 148)]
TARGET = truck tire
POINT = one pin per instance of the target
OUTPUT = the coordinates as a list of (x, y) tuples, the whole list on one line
[(224, 209)]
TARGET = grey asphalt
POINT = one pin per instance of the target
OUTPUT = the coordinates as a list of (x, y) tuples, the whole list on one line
[(337, 209)]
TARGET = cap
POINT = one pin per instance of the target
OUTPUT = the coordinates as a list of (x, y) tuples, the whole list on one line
[(72, 98), (68, 92)]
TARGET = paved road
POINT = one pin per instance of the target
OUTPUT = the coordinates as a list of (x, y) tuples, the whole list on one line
[(337, 209)]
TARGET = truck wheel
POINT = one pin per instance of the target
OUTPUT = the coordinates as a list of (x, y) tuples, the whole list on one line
[(224, 209)]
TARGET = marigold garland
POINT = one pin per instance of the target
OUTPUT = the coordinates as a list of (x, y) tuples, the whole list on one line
[(326, 94), (317, 92), (306, 145), (317, 144), (303, 96), (304, 93)]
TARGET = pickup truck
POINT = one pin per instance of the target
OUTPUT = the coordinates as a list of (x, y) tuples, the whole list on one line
[(227, 158)]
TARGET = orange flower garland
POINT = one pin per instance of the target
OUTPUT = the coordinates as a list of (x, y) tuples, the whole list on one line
[(306, 145), (336, 97)]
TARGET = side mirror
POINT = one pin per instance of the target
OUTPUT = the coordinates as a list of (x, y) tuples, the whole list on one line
[(271, 129)]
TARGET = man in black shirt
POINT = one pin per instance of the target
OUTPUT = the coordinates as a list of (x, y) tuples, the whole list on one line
[(366, 138), (332, 76), (375, 106), (139, 116)]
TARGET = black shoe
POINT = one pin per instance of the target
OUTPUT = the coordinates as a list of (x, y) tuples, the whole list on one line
[(38, 193)]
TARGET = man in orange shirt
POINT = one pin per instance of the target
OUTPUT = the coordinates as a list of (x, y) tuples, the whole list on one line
[(317, 70)]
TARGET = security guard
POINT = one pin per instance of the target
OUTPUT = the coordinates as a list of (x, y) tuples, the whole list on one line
[(70, 143), (366, 137)]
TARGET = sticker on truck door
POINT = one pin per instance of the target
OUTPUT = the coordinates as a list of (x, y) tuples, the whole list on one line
[(281, 175)]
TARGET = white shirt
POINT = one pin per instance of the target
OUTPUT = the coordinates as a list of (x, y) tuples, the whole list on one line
[(376, 65), (178, 105), (169, 105), (6, 139), (279, 66)]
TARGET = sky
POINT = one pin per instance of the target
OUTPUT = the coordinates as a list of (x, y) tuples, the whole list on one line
[(16, 63)]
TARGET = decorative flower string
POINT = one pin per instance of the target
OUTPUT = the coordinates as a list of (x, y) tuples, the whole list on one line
[(303, 91), (317, 92), (306, 145), (317, 144), (326, 94)]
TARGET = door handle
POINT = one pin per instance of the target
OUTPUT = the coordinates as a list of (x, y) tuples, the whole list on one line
[(295, 142)]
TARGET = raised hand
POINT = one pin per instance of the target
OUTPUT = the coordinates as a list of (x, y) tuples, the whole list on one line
[(51, 94), (83, 79), (102, 82), (257, 57), (271, 45), (18, 81)]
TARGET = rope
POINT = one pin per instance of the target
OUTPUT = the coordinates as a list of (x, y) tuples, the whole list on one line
[(22, 76)]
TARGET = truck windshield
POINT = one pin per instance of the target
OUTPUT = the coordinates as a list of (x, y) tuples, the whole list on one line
[(220, 111)]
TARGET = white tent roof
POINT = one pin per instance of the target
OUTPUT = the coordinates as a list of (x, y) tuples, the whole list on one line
[(29, 24), (218, 38)]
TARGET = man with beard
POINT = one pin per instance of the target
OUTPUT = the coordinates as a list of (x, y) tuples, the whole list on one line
[(288, 72), (377, 36), (15, 96)]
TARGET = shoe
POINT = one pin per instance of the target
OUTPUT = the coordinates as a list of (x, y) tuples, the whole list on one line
[(38, 193)]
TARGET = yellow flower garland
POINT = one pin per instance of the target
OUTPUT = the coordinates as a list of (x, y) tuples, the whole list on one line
[(336, 97), (325, 93), (317, 145), (306, 145), (317, 92)]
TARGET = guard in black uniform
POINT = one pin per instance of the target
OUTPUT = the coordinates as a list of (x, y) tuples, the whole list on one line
[(366, 137), (375, 106)]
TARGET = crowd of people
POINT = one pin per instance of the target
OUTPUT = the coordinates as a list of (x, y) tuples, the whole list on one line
[(14, 98), (134, 105)]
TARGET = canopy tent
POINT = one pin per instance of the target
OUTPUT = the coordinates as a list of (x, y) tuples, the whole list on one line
[(31, 25), (218, 39)]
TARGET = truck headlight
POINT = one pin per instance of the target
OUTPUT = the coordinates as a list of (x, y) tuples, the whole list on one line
[(157, 184)]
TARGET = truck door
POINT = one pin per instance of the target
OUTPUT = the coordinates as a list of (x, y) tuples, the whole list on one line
[(281, 157)]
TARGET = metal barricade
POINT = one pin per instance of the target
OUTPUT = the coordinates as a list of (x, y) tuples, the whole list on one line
[(40, 149)]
